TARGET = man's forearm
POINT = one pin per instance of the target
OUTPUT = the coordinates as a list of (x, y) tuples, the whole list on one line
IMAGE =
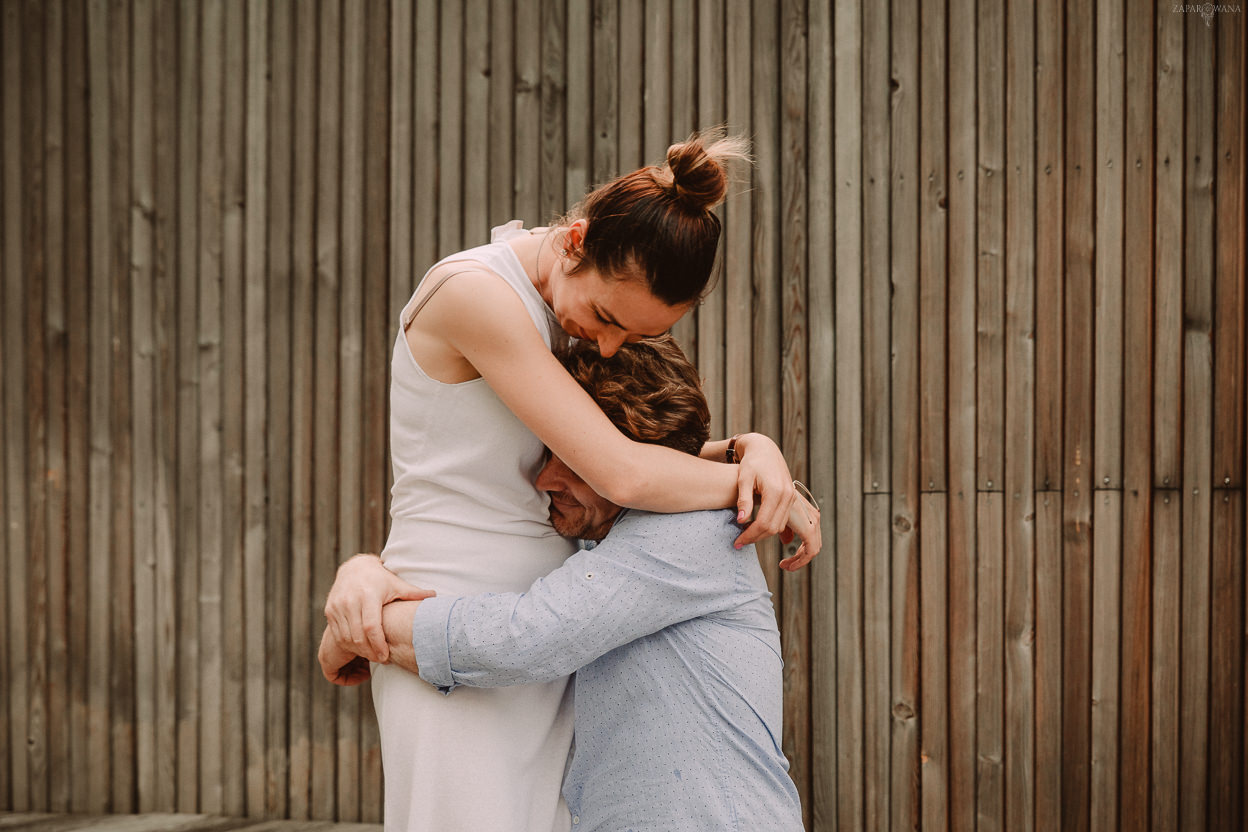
[(396, 621)]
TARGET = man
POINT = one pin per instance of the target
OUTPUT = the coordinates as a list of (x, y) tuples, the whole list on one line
[(670, 631)]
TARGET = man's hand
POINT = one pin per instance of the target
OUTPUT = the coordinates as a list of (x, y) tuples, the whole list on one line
[(353, 609), (339, 665), (803, 522)]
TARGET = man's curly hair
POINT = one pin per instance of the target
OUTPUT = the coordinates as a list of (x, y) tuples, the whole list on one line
[(648, 389)]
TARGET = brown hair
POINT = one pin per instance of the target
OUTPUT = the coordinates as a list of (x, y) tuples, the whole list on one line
[(648, 389), (659, 220)]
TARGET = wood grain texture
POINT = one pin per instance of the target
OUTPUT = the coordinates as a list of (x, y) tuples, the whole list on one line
[(1198, 296), (1020, 419), (933, 661), (984, 285), (1077, 415), (1106, 638), (1135, 713), (905, 807), (851, 731)]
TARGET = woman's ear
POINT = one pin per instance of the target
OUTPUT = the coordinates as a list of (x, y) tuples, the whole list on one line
[(574, 237)]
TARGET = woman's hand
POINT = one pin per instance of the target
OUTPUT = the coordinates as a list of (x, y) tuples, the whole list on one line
[(353, 609), (763, 471), (339, 665), (803, 524)]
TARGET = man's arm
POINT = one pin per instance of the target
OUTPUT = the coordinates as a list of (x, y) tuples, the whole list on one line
[(340, 663), (651, 571)]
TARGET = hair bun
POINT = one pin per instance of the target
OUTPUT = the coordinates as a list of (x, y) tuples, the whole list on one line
[(697, 168)]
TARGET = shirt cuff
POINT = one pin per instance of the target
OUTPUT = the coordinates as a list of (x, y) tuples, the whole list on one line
[(431, 641)]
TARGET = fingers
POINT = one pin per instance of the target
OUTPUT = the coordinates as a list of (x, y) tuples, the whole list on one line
[(374, 636), (745, 496)]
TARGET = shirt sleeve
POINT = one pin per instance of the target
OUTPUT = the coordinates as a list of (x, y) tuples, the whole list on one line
[(651, 571)]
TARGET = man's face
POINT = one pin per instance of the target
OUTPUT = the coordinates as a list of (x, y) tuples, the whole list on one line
[(576, 510)]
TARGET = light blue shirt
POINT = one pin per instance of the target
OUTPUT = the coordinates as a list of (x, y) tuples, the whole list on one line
[(673, 638)]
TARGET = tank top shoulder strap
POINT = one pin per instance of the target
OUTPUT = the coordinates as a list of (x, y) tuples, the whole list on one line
[(437, 284)]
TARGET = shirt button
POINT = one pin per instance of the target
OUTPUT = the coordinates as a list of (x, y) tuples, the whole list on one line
[(576, 818)]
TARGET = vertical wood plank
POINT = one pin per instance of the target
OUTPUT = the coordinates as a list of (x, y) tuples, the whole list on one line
[(325, 802), (9, 88), (1227, 766), (1050, 121), (764, 321), (377, 332), (142, 361), (1048, 652), (1168, 239), (1106, 637), (450, 123), (255, 379), (1226, 661), (682, 79), (848, 264), (1137, 441), (426, 176), (1197, 461), (528, 103), (212, 547), (188, 469), (304, 622), (578, 156), (34, 275), (164, 317), (233, 394), (56, 532), (656, 123), (1111, 51), (1230, 384), (551, 193), (962, 412), (632, 83), (824, 681), (904, 185), (15, 715), (121, 600), (605, 94), (280, 190), (877, 290), (711, 109), (1167, 572), (77, 246), (877, 649), (933, 246), (794, 325), (738, 222), (990, 661), (502, 98), (1020, 419), (477, 126), (401, 112), (350, 351), (1077, 414), (990, 434), (933, 661)]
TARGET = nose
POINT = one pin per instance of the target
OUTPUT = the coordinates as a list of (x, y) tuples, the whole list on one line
[(551, 477), (608, 345)]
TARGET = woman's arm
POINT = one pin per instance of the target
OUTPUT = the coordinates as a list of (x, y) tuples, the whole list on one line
[(483, 319)]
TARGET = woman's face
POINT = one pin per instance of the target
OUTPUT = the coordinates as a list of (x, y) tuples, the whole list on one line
[(610, 311)]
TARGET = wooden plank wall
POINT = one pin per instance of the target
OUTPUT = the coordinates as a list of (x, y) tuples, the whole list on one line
[(985, 284)]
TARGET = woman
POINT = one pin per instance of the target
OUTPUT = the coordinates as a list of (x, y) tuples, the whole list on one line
[(476, 395)]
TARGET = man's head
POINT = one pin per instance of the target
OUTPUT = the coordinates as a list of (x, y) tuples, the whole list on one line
[(651, 392)]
